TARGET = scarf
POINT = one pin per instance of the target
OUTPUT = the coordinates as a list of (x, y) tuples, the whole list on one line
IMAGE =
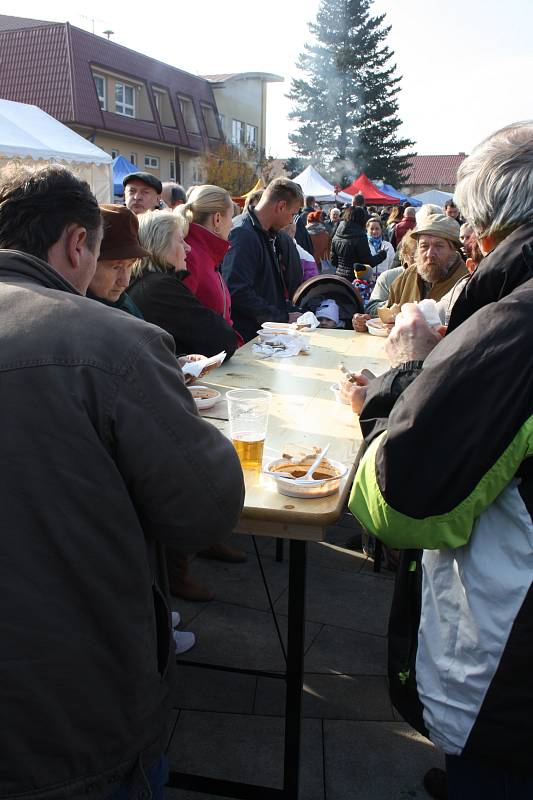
[(376, 241)]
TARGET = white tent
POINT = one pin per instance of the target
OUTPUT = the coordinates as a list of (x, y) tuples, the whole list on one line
[(314, 185), (433, 196), (30, 136)]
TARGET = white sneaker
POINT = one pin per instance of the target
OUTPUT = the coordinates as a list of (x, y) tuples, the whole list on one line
[(176, 618), (183, 640)]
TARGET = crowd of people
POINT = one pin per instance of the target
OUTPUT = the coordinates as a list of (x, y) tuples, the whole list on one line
[(112, 480)]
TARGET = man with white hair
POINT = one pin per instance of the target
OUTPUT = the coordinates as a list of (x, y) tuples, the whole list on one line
[(449, 437), (173, 195)]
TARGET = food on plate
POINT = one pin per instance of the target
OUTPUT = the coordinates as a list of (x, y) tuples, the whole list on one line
[(378, 328), (323, 472), (388, 315), (202, 392)]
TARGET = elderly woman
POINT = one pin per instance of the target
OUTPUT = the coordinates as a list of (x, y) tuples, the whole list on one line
[(159, 292)]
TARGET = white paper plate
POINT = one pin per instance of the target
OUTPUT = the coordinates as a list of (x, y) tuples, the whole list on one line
[(310, 489), (377, 328), (204, 402)]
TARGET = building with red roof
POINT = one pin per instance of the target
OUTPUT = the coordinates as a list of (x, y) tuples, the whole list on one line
[(432, 172)]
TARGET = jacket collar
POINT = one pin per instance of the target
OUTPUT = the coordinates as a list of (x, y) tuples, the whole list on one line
[(198, 235), (258, 227), (19, 264)]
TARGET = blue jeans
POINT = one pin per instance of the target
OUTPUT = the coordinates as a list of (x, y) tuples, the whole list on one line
[(470, 780), (157, 776)]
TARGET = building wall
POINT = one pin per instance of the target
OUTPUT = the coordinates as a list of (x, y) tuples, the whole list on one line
[(243, 100), (116, 145), (426, 187)]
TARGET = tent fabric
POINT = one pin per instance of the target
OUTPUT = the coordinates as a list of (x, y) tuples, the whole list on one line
[(259, 186), (385, 187), (371, 193), (121, 168), (434, 196), (29, 135), (314, 185)]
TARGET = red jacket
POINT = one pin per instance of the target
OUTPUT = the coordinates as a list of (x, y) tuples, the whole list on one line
[(205, 280), (401, 229)]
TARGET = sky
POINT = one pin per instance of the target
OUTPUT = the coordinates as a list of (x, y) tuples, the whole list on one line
[(466, 64)]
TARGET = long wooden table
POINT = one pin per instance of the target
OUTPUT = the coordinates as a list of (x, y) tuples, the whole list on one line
[(303, 411)]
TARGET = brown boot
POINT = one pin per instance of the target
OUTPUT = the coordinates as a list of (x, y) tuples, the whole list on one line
[(180, 584), (223, 552)]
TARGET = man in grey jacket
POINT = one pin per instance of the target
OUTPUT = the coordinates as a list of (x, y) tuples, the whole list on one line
[(104, 458)]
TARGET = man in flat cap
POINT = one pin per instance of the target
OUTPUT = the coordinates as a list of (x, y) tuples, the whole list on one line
[(142, 192)]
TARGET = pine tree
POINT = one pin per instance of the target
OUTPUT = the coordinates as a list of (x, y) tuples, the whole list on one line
[(347, 107)]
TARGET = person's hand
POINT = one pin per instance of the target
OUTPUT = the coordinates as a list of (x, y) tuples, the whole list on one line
[(411, 338), (359, 322), (294, 315), (353, 391), (182, 360)]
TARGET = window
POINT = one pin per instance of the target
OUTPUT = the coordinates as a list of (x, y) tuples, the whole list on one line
[(114, 152), (99, 82), (124, 99), (157, 101), (251, 136), (152, 162), (210, 120), (188, 114), (172, 170), (222, 120), (133, 158), (237, 132)]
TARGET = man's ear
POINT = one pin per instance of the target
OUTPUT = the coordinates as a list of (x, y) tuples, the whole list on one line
[(75, 242)]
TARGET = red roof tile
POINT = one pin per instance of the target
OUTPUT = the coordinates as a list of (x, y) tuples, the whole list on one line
[(438, 170)]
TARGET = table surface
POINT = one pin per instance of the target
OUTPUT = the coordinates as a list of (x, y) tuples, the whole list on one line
[(304, 411)]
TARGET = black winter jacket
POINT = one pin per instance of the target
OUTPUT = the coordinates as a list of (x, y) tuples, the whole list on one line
[(254, 277), (164, 300), (349, 246)]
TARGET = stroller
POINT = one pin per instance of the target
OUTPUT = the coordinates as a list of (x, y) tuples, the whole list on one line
[(312, 292)]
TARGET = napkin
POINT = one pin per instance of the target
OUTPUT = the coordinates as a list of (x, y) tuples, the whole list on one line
[(195, 368), (280, 346), (308, 319)]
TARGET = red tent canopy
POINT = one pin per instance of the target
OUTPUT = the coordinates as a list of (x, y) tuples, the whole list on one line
[(371, 193)]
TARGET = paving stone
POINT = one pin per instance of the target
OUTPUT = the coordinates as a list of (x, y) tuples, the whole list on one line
[(235, 636), (245, 748), (331, 556), (346, 600), (376, 761), (227, 580), (330, 697), (212, 690), (337, 650)]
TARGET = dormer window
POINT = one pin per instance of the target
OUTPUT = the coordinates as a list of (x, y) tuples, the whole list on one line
[(124, 99)]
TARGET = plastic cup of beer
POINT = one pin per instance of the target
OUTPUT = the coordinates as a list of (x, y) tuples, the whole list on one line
[(248, 418)]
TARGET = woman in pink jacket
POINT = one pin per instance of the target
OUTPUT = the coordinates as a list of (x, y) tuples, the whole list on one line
[(209, 212)]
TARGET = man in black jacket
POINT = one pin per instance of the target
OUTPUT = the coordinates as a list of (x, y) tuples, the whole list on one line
[(251, 268), (98, 471)]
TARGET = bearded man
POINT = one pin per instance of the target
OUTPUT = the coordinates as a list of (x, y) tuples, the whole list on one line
[(438, 264)]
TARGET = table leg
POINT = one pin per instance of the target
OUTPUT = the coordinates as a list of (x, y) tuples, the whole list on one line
[(295, 666)]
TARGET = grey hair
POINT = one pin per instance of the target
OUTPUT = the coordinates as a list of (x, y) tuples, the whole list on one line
[(495, 183), (155, 232)]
